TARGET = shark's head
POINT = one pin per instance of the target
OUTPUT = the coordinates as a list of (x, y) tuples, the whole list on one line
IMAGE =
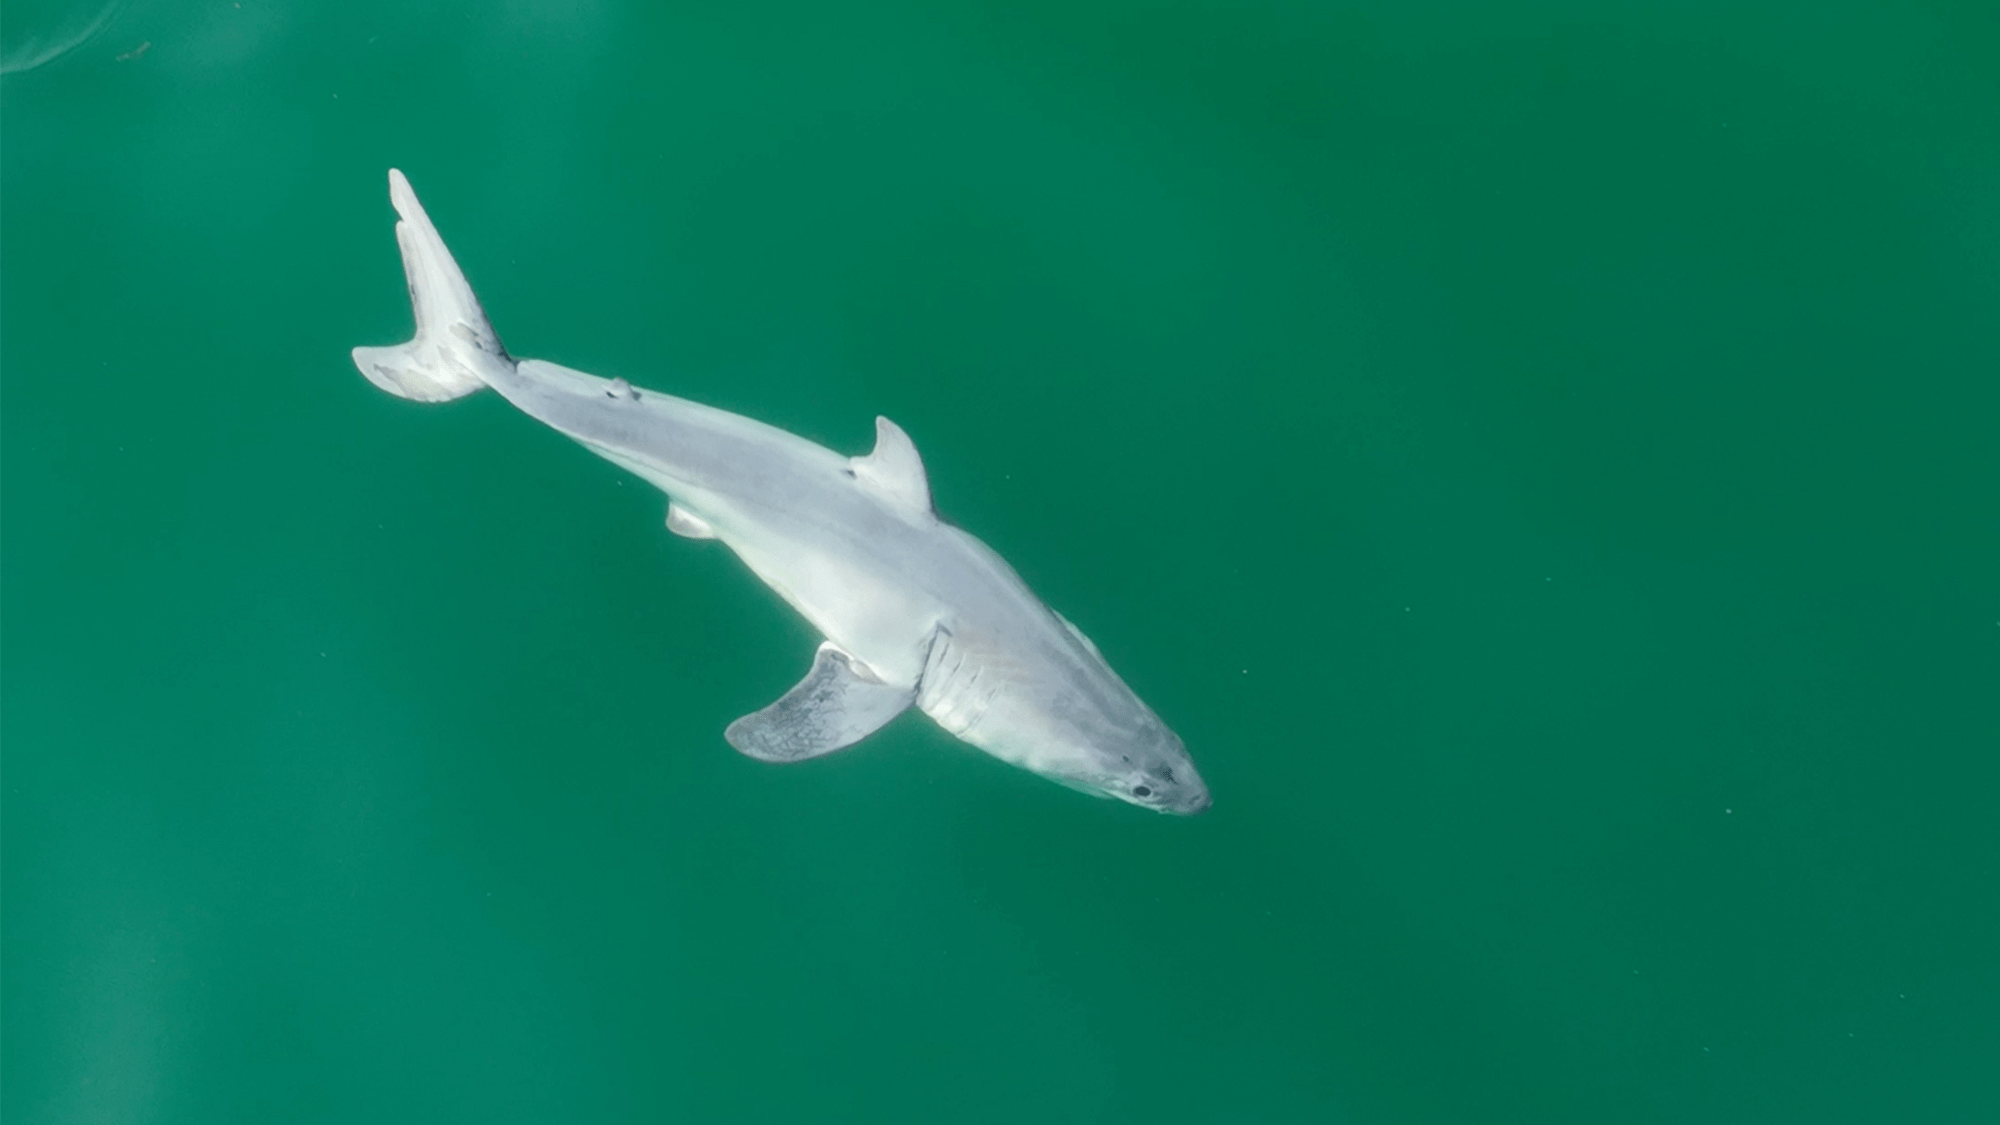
[(1156, 774), (1071, 720), (1152, 770)]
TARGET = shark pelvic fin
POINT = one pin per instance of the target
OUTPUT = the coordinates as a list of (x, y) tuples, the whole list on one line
[(680, 521), (839, 703), (894, 470)]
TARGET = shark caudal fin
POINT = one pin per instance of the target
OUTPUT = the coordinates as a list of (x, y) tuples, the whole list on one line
[(454, 346)]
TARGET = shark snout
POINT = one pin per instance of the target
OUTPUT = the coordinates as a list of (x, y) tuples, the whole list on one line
[(1173, 789), (1183, 800)]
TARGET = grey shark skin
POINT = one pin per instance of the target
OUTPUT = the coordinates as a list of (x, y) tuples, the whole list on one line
[(914, 611)]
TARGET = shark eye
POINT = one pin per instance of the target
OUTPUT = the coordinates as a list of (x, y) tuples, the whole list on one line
[(1141, 791)]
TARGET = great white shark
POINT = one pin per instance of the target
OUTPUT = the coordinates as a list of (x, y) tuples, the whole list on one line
[(914, 611)]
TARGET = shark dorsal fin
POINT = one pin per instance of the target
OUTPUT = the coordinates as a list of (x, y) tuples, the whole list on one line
[(894, 469)]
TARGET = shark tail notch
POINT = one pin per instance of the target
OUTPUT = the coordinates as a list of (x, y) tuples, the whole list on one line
[(455, 346)]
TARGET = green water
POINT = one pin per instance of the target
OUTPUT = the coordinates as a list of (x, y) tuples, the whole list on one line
[(1541, 457)]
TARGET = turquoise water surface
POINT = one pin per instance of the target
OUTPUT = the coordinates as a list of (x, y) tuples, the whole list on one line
[(1543, 458)]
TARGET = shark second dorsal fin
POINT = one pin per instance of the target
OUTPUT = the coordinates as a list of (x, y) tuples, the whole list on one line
[(894, 470), (1078, 634)]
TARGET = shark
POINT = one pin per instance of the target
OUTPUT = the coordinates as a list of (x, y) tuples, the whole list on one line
[(914, 612)]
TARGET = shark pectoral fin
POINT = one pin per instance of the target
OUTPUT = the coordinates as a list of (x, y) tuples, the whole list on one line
[(838, 704), (680, 521), (894, 470)]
